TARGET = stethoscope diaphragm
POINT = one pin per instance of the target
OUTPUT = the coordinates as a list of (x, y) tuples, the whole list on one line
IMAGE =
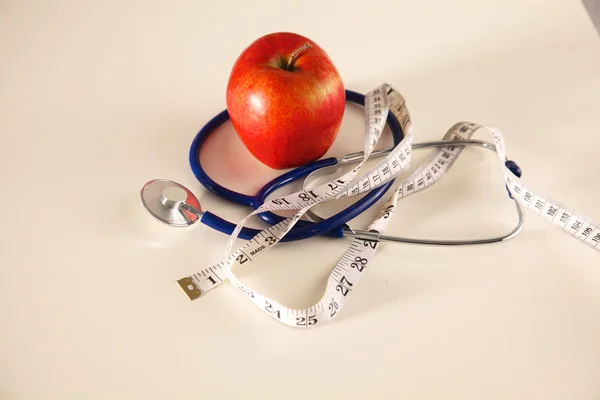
[(170, 202)]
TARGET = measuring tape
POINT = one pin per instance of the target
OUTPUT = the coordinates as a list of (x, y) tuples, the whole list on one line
[(359, 256)]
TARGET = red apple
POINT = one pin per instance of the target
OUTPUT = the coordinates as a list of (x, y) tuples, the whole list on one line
[(286, 100)]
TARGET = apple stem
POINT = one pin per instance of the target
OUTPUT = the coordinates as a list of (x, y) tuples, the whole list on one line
[(295, 54)]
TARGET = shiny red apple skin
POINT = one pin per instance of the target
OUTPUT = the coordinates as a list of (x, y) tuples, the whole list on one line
[(285, 118)]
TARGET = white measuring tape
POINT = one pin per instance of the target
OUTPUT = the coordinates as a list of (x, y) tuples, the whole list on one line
[(359, 256)]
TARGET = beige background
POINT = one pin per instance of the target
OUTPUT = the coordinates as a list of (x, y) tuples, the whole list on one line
[(96, 98)]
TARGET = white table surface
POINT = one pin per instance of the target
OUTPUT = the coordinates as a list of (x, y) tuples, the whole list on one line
[(98, 98)]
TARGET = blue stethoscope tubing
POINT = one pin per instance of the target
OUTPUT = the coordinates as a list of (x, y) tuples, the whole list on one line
[(332, 226)]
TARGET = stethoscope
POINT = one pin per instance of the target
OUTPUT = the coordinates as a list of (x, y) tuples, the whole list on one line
[(175, 205)]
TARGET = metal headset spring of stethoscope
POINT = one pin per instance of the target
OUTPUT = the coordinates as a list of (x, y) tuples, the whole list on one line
[(375, 236)]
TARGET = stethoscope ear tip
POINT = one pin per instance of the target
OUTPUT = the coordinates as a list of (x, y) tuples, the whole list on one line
[(170, 202)]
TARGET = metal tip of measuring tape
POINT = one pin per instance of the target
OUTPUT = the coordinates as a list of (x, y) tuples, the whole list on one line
[(189, 288)]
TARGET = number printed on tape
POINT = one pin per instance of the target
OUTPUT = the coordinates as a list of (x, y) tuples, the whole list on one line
[(359, 257)]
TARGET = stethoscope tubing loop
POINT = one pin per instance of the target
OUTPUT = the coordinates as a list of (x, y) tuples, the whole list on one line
[(333, 226)]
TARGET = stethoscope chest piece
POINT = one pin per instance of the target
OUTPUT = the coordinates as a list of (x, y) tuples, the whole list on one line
[(170, 202)]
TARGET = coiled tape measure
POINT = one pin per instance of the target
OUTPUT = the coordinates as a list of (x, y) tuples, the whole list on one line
[(359, 257)]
